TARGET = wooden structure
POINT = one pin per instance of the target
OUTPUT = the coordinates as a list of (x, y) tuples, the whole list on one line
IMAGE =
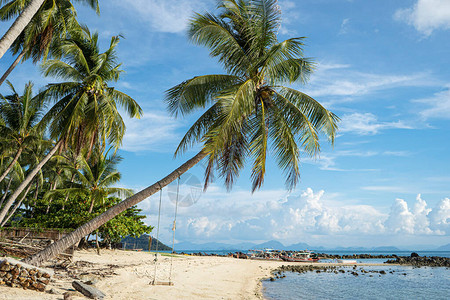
[(36, 238)]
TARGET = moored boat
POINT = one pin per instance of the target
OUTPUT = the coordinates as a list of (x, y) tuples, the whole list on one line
[(303, 256), (266, 254), (346, 261)]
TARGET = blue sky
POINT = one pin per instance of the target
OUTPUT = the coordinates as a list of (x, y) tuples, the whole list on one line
[(382, 67)]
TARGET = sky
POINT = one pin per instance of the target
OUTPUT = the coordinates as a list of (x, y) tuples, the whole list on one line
[(381, 66)]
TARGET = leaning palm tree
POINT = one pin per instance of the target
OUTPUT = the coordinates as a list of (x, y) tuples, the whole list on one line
[(26, 10), (86, 112), (44, 32), (19, 25), (248, 109)]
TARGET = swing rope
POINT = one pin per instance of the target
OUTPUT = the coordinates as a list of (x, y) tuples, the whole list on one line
[(157, 233), (173, 228)]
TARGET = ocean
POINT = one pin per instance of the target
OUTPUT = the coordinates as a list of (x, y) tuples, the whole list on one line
[(399, 282)]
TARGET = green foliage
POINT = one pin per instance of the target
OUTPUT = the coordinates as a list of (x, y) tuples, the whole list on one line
[(86, 109), (75, 214), (249, 111), (128, 223)]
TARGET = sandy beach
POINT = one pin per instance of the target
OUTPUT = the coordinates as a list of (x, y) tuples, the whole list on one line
[(127, 274)]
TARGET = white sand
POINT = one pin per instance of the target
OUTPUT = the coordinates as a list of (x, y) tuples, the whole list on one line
[(193, 277)]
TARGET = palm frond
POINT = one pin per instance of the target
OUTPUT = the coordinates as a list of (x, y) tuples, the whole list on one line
[(196, 93)]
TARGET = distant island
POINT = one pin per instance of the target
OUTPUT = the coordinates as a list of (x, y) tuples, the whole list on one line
[(131, 243), (273, 244)]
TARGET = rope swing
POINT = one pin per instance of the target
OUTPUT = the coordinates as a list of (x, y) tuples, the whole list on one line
[(155, 282), (157, 235), (173, 229)]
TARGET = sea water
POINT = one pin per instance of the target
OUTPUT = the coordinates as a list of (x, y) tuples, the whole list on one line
[(399, 282)]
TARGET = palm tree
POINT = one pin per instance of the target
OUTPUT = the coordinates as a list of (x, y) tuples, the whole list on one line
[(46, 29), (86, 112), (248, 108), (19, 25), (26, 11), (95, 178), (21, 115)]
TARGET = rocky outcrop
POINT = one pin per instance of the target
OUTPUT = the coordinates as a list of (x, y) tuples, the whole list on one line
[(421, 261), (355, 256), (14, 273)]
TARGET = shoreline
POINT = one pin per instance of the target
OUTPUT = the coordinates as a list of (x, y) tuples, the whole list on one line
[(128, 274)]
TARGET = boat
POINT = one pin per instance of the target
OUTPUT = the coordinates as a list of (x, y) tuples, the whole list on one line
[(266, 254), (346, 261), (302, 256)]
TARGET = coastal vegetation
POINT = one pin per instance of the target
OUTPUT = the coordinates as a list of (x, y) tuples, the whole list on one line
[(65, 172)]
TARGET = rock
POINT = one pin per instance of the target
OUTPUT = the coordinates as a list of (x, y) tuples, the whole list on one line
[(55, 291), (44, 280), (69, 295), (414, 254), (88, 290), (39, 286), (383, 272), (5, 266)]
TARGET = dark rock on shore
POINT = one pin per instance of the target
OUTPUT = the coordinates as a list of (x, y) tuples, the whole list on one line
[(354, 256), (421, 261)]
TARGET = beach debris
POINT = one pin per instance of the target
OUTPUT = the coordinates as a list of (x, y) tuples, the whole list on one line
[(15, 273), (88, 290)]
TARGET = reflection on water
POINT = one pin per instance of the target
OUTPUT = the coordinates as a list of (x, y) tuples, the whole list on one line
[(399, 282)]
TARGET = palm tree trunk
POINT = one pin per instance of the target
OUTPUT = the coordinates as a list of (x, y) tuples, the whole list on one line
[(59, 246), (11, 165), (67, 196), (52, 188), (27, 181), (96, 243), (16, 206), (36, 193), (19, 25), (91, 207), (12, 66), (6, 192)]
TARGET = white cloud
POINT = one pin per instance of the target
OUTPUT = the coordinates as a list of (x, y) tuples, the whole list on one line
[(384, 188), (400, 220), (327, 161), (438, 106), (201, 226), (164, 16), (274, 214), (154, 131), (340, 81), (344, 26), (440, 216), (426, 15), (420, 220), (367, 124)]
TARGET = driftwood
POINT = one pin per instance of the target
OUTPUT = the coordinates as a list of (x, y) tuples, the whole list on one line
[(88, 290)]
